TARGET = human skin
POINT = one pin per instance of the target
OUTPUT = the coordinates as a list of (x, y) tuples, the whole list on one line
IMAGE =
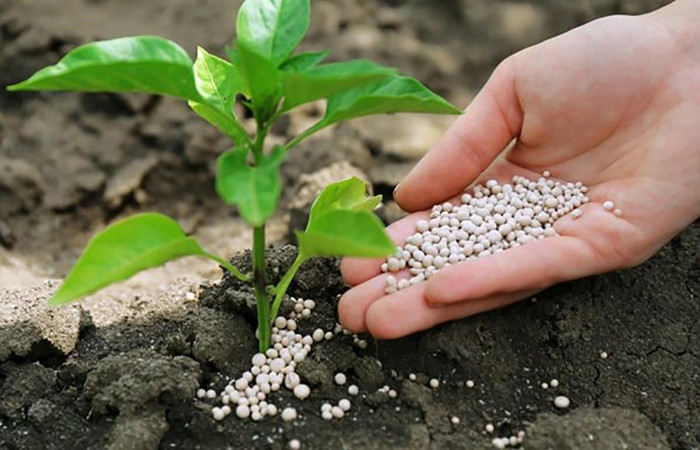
[(614, 104)]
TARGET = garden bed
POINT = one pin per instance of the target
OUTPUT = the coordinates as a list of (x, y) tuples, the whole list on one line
[(132, 384)]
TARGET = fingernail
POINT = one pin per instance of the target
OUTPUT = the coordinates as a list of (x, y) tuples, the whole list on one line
[(435, 305), (396, 189)]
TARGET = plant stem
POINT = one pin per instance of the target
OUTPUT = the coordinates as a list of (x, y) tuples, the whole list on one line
[(259, 284), (283, 285), (262, 299), (259, 144), (306, 133)]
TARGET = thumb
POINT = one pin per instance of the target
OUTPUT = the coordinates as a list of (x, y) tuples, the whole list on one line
[(468, 147)]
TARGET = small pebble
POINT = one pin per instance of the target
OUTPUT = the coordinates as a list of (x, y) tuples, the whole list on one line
[(280, 322), (617, 212), (211, 393), (353, 390), (500, 443), (259, 359), (604, 355), (554, 382), (294, 444), (340, 379), (544, 385), (201, 393), (242, 411), (289, 414), (608, 205), (470, 384), (412, 376), (218, 414), (344, 404), (489, 428), (337, 412), (455, 420), (434, 383), (302, 391), (561, 401)]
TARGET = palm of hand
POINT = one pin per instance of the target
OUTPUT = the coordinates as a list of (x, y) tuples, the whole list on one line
[(618, 117)]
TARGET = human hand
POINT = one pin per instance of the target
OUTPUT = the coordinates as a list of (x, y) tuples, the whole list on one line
[(615, 104)]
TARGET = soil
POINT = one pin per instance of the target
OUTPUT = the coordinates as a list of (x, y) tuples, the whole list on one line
[(123, 373)]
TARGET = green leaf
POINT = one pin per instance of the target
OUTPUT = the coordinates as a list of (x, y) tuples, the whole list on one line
[(255, 190), (273, 28), (345, 233), (228, 125), (303, 61), (124, 249), (218, 82), (134, 64), (391, 95), (263, 79), (349, 194), (341, 223), (323, 81)]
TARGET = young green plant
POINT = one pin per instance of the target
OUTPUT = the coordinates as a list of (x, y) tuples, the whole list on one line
[(268, 78)]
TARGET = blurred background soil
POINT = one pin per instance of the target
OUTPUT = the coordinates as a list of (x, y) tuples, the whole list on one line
[(70, 163)]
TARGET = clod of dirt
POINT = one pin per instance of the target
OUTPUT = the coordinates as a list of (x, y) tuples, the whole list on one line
[(24, 386), (7, 238), (26, 322), (407, 139), (342, 144), (315, 373), (20, 186), (127, 180), (142, 431), (213, 330), (127, 381), (336, 354), (233, 295), (390, 172), (605, 428), (369, 371)]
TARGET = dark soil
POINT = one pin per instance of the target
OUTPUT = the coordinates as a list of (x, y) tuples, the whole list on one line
[(131, 385)]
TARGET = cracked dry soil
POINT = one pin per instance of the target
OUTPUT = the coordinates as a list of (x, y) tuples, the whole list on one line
[(132, 385)]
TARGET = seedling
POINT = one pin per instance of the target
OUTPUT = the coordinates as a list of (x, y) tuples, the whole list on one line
[(265, 75)]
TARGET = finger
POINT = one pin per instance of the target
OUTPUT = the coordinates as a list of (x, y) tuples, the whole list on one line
[(407, 311), (533, 266), (357, 270), (488, 124), (353, 305)]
